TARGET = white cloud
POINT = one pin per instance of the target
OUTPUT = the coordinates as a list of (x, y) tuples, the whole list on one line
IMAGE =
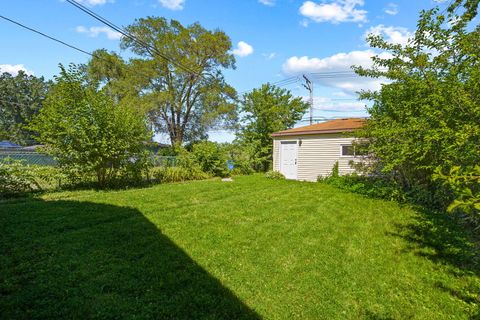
[(327, 104), (269, 56), (14, 69), (304, 23), (339, 94), (348, 83), (391, 9), (395, 35), (95, 31), (335, 11), (93, 3), (172, 4), (269, 3), (243, 49)]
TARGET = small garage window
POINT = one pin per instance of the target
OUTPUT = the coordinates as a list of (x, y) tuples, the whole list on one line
[(348, 151)]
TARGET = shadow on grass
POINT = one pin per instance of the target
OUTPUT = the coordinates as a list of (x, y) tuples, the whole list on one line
[(67, 259), (441, 238), (369, 315)]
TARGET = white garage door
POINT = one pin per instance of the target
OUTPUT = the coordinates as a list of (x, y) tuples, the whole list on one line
[(288, 159)]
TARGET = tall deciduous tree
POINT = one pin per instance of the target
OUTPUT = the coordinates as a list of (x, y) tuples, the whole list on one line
[(267, 110), (177, 76), (21, 97), (428, 116)]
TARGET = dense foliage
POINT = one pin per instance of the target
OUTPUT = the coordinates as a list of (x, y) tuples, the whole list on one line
[(240, 156), (428, 114), (14, 179), (176, 76), (465, 183), (21, 97), (176, 174), (90, 134), (267, 110), (212, 157)]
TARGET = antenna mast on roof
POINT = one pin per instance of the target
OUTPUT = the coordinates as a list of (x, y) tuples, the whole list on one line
[(309, 86)]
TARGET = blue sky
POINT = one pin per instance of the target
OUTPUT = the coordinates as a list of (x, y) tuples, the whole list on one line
[(272, 39)]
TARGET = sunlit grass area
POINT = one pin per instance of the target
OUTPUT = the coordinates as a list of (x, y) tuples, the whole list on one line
[(253, 248)]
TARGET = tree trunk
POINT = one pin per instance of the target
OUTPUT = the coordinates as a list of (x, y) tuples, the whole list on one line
[(176, 137)]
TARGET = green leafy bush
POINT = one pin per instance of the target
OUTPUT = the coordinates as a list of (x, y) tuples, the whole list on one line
[(275, 175), (47, 177), (16, 178), (241, 155), (211, 157), (89, 133), (186, 159), (375, 187), (240, 170), (376, 184), (465, 184), (428, 114), (176, 174)]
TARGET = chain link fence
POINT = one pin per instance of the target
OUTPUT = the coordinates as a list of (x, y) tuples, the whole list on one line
[(28, 157), (35, 158), (164, 161)]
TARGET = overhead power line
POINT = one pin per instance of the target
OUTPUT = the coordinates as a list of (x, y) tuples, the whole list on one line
[(333, 72), (56, 40), (151, 49), (309, 86), (46, 36), (339, 76), (313, 76), (280, 83), (319, 118), (286, 81)]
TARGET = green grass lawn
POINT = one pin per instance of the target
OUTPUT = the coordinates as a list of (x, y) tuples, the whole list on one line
[(249, 249)]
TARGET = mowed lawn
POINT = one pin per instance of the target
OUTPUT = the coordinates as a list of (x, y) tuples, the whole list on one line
[(249, 249)]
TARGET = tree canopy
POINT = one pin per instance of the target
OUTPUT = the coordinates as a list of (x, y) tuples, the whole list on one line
[(176, 76), (265, 111), (21, 96), (88, 132), (428, 114)]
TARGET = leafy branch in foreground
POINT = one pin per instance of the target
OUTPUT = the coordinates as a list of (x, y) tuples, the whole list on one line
[(465, 182), (427, 114)]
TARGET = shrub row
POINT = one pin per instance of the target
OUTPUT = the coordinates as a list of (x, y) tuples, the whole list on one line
[(17, 179), (368, 186), (176, 174)]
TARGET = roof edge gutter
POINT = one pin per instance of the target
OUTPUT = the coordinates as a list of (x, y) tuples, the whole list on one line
[(301, 133)]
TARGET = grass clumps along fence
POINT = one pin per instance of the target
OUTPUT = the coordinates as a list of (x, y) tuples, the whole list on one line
[(19, 179), (176, 174)]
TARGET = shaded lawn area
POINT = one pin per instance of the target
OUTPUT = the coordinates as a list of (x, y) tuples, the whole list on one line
[(249, 249)]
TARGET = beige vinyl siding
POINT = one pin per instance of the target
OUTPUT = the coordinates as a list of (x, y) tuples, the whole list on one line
[(276, 155), (317, 154)]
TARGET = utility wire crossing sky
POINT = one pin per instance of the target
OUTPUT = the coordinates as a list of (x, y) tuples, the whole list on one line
[(276, 41)]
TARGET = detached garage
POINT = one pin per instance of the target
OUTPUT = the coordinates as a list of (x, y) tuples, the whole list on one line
[(305, 153)]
